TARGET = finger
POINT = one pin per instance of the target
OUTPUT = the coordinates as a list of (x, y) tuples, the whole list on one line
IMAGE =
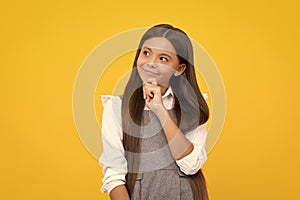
[(152, 81), (147, 89), (152, 88), (149, 95), (144, 94)]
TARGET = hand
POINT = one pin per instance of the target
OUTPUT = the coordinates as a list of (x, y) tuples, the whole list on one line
[(152, 94)]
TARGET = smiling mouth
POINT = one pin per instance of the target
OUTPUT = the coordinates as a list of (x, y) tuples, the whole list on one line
[(150, 72)]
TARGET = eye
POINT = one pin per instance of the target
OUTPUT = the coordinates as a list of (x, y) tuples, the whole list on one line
[(146, 53), (164, 59)]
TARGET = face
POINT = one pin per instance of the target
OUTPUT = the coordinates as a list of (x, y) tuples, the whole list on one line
[(158, 60)]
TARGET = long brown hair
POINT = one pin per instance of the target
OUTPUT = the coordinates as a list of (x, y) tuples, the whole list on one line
[(190, 106)]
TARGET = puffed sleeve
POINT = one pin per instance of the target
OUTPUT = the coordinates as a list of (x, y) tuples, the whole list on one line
[(191, 163), (112, 159)]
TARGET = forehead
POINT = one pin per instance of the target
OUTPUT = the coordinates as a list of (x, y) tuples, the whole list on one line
[(159, 43)]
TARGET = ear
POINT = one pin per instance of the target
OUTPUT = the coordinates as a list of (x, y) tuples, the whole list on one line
[(180, 70)]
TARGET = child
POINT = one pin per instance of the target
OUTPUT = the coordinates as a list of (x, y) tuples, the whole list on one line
[(154, 135)]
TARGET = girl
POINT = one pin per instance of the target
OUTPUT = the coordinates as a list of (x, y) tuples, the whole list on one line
[(154, 135)]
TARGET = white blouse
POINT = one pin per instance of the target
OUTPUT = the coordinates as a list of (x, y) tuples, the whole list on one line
[(113, 159)]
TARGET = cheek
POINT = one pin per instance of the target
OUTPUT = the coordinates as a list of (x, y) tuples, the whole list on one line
[(139, 61), (167, 70)]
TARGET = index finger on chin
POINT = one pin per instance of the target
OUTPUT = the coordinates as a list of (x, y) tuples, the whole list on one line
[(152, 81)]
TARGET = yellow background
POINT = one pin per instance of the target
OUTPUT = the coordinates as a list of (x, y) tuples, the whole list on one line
[(255, 45)]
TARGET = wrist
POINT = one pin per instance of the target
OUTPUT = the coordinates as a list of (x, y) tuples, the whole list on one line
[(160, 111)]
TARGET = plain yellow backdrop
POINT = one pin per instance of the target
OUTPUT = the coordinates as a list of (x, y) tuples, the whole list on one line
[(255, 45)]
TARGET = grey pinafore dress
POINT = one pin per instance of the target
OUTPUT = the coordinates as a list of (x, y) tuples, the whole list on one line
[(159, 177)]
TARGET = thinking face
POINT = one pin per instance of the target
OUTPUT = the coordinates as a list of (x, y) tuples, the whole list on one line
[(158, 60)]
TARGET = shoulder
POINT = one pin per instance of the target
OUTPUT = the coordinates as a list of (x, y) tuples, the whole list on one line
[(108, 100), (112, 106)]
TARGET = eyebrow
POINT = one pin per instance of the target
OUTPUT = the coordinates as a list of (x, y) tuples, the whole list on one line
[(145, 47)]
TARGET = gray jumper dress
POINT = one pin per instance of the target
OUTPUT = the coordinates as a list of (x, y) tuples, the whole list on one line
[(159, 177)]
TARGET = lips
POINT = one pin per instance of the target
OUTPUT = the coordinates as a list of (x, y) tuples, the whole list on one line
[(149, 72)]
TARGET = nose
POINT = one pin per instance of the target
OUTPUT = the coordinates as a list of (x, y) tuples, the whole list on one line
[(152, 65), (152, 62)]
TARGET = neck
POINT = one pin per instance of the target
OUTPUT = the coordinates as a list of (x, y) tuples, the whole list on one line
[(163, 89)]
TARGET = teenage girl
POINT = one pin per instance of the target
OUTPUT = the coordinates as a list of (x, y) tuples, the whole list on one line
[(154, 135)]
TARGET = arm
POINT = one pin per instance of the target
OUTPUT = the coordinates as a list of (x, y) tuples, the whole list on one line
[(112, 159), (189, 160), (187, 149), (191, 163), (119, 193), (180, 146)]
